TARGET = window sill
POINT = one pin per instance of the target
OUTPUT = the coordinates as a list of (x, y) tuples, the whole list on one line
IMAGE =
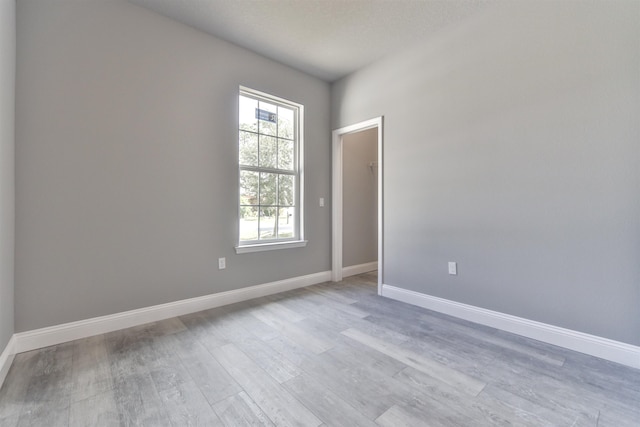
[(260, 247)]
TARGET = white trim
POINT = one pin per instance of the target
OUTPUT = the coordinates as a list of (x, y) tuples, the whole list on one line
[(39, 338), (258, 246), (336, 217), (352, 270), (6, 358), (245, 249), (603, 348), (275, 98)]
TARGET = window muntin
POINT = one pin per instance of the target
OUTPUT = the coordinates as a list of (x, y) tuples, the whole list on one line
[(269, 147)]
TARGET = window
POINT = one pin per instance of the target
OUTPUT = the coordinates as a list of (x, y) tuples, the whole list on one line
[(269, 159)]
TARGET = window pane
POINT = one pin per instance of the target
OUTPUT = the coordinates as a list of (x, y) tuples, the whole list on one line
[(248, 149), (268, 188), (248, 223), (285, 154), (286, 218), (248, 188), (285, 123), (286, 190), (268, 127), (268, 223), (268, 152), (247, 114)]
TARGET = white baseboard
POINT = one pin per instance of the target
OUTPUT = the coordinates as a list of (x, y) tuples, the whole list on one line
[(6, 358), (352, 270), (603, 348), (39, 338)]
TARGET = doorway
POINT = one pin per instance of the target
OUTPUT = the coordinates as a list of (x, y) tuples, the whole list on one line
[(339, 136)]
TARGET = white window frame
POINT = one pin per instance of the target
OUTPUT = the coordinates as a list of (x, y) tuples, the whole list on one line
[(298, 239)]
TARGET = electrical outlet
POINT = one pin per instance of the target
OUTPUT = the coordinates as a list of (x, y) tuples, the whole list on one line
[(321, 202), (222, 263), (453, 268)]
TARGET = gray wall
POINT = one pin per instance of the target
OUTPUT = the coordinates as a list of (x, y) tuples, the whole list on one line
[(7, 181), (126, 162), (512, 147), (360, 202)]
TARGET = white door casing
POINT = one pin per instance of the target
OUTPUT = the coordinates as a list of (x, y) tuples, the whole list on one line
[(337, 142)]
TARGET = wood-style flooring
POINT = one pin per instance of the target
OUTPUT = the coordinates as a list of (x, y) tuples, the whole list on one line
[(333, 354)]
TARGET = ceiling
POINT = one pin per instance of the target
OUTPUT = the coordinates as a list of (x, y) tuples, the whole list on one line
[(325, 38)]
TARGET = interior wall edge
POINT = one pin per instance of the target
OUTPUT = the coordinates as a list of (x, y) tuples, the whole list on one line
[(6, 359)]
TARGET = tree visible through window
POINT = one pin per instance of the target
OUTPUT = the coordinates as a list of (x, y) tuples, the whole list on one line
[(268, 150)]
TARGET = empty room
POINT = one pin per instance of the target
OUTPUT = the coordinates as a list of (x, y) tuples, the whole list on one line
[(320, 213)]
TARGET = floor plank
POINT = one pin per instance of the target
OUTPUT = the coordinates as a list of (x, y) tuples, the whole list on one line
[(279, 405), (269, 360), (329, 407), (97, 410), (49, 394), (447, 375), (293, 331), (91, 375), (13, 393), (397, 417), (239, 411), (213, 380), (186, 406)]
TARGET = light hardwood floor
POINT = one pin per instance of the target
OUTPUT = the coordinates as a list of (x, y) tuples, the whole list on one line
[(333, 354)]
